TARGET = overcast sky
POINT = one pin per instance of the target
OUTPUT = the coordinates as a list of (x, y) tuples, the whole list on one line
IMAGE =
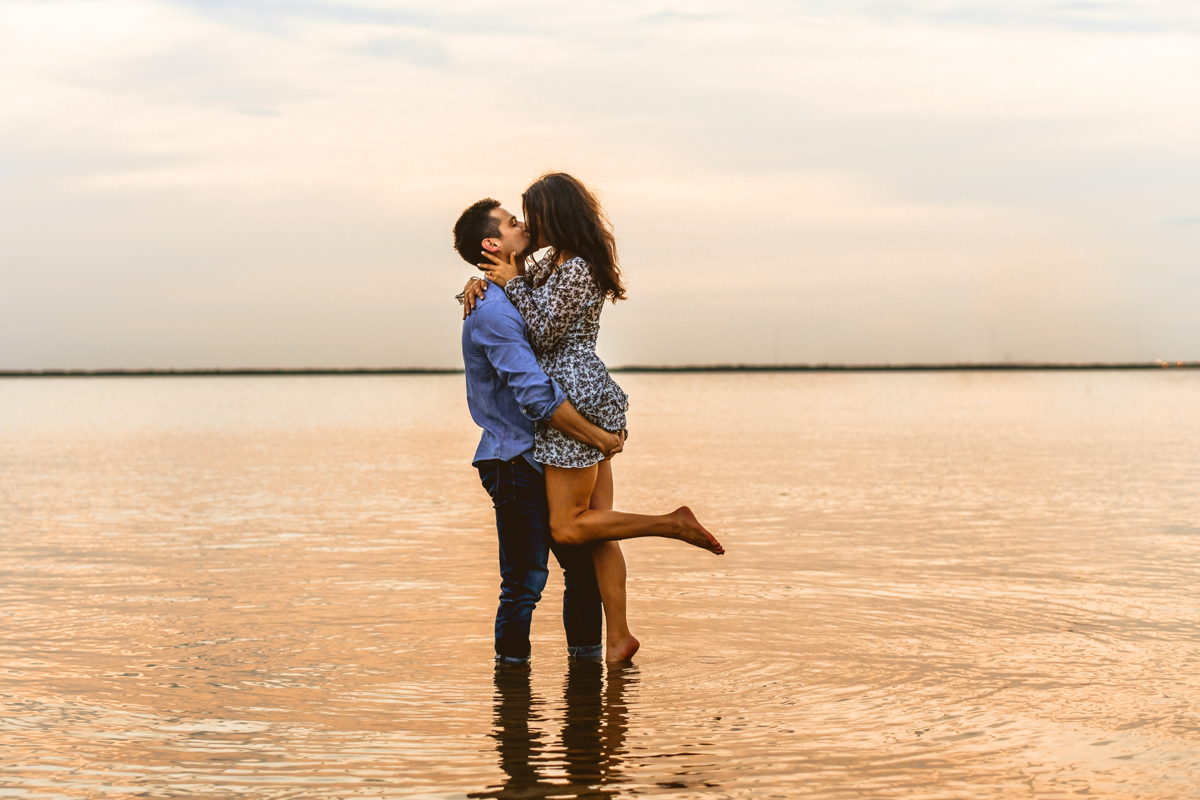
[(247, 183)]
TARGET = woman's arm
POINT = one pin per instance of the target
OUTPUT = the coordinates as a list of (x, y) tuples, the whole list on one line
[(471, 293), (551, 309)]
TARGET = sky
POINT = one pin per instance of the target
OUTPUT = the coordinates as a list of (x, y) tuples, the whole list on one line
[(260, 183)]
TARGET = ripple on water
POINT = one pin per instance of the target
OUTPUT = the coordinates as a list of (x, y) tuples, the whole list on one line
[(935, 589)]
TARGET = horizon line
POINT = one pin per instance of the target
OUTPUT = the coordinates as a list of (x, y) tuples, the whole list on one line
[(885, 367)]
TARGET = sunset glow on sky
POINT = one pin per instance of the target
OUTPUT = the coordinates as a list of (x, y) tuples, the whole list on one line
[(245, 183)]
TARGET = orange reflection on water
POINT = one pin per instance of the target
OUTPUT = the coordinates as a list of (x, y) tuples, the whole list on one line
[(938, 585)]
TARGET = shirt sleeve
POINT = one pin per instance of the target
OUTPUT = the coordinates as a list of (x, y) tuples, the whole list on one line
[(551, 309), (502, 340)]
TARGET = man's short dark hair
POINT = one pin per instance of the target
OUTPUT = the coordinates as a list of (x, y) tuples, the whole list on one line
[(473, 226)]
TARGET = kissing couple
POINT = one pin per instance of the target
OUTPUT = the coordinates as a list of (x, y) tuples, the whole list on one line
[(552, 416)]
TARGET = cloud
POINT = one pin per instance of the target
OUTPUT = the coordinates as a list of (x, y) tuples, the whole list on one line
[(205, 73), (425, 52), (611, 19), (273, 15), (683, 17), (857, 181), (278, 17), (1101, 16)]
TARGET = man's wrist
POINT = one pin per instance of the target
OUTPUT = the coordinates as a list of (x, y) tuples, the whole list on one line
[(597, 438)]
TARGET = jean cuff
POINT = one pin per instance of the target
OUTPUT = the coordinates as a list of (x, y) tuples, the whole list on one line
[(587, 651), (510, 660)]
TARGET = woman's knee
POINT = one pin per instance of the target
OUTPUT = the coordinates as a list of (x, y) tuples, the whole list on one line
[(565, 532)]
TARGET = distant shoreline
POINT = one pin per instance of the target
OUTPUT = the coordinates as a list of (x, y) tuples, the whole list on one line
[(964, 367)]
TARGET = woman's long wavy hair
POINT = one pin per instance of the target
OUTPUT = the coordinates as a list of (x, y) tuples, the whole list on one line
[(570, 217)]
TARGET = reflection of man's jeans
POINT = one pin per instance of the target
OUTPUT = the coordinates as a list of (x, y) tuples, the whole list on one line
[(591, 744), (523, 524)]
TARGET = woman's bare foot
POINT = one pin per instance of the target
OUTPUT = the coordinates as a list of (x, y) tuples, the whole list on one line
[(695, 533), (622, 649)]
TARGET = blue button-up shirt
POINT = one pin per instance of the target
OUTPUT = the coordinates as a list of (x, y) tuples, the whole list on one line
[(506, 389)]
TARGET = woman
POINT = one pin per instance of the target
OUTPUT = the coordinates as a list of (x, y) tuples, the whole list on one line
[(561, 297)]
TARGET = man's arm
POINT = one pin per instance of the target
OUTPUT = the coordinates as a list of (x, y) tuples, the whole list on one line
[(573, 424), (503, 341)]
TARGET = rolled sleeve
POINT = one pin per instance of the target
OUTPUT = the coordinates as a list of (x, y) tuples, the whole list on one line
[(502, 339)]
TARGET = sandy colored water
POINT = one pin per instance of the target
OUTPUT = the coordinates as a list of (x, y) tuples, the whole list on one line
[(937, 586)]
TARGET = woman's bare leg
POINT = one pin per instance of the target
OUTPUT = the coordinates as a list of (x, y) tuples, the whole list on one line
[(609, 561), (574, 521)]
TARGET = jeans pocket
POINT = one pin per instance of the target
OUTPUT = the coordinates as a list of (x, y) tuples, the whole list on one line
[(500, 484)]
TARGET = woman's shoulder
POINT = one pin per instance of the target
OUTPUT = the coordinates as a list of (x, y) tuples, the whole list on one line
[(578, 266), (579, 274)]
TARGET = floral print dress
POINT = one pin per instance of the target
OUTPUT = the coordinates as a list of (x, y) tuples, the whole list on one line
[(561, 307)]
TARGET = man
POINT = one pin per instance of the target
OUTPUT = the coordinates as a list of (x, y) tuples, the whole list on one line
[(507, 392)]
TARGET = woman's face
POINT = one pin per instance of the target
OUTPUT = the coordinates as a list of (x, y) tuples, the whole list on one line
[(541, 231)]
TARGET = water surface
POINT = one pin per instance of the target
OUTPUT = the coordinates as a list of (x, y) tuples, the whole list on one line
[(937, 586)]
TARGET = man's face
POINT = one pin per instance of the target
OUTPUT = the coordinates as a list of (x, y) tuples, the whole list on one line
[(513, 236)]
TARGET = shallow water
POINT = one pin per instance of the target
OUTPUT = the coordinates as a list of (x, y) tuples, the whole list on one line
[(937, 586)]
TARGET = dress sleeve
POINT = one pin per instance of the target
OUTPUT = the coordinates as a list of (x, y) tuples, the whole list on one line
[(551, 309)]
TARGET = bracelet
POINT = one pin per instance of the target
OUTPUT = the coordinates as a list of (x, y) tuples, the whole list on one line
[(461, 296)]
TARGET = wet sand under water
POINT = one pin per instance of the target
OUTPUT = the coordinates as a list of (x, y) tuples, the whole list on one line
[(937, 586)]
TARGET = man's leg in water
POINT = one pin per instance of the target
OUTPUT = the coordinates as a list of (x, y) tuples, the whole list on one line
[(518, 494), (581, 599)]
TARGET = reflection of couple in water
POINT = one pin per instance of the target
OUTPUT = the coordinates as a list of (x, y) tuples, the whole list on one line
[(551, 415), (591, 742)]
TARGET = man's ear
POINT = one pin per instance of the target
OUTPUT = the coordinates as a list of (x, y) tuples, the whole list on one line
[(491, 245)]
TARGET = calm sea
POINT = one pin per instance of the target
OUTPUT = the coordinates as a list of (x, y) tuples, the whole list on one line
[(938, 586)]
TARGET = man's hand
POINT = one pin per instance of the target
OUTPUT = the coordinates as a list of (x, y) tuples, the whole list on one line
[(500, 272), (616, 446), (575, 425), (474, 290)]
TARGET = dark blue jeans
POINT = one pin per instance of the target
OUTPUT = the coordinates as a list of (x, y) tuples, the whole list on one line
[(523, 524)]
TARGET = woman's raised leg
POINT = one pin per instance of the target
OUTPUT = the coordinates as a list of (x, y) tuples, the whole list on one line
[(574, 521), (620, 644)]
